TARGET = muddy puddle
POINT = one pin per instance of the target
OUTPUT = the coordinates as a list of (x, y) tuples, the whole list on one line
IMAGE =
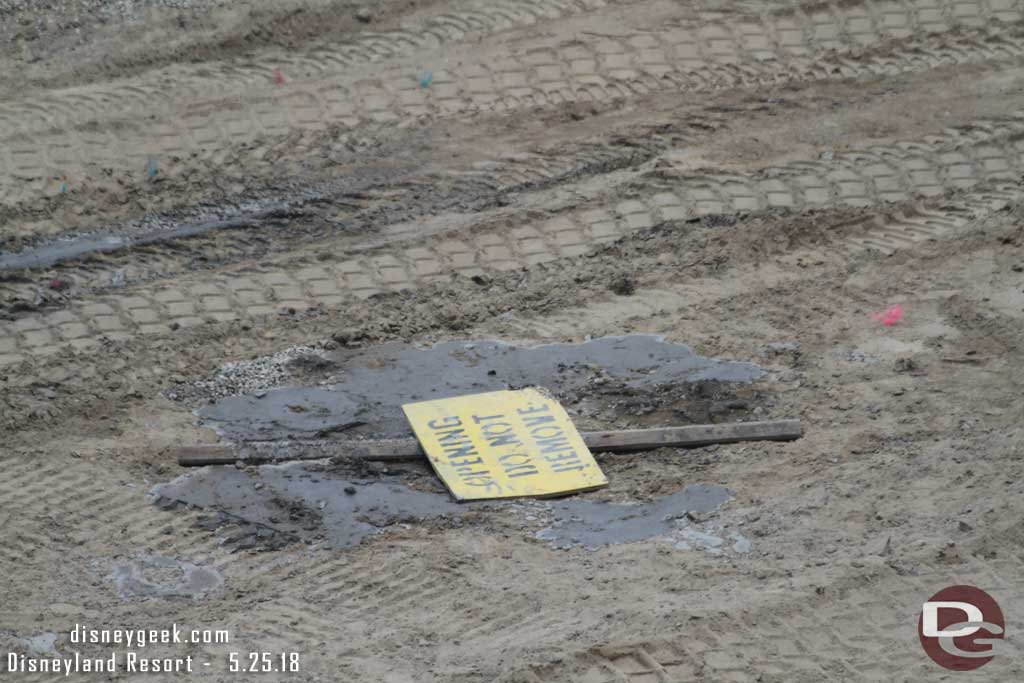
[(594, 524), (274, 506), (361, 393), (277, 505)]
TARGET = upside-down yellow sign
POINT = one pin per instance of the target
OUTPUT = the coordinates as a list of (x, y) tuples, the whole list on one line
[(504, 444)]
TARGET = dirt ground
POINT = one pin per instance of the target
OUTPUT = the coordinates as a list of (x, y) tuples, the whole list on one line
[(185, 184)]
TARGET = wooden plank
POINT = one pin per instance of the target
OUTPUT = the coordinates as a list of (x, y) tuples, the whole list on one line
[(692, 435), (409, 449)]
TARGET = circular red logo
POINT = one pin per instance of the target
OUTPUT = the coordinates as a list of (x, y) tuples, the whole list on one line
[(960, 627)]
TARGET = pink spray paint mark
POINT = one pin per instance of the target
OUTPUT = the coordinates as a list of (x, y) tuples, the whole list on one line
[(278, 77), (889, 316)]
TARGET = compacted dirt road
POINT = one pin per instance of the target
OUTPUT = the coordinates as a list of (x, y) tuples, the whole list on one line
[(189, 184)]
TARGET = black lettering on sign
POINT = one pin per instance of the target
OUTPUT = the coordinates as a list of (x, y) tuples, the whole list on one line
[(531, 409), (564, 462), (554, 444), (574, 468), (453, 439), (470, 474), (484, 481), (561, 457), (517, 465), (462, 450), (441, 423), (537, 420), (551, 440), (497, 433), (457, 434)]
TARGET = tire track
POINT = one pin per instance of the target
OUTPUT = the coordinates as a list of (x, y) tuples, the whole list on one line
[(888, 234), (89, 507), (900, 172), (849, 637), (239, 76), (692, 58), (482, 185)]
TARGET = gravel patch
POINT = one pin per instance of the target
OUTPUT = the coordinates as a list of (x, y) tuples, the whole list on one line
[(249, 376)]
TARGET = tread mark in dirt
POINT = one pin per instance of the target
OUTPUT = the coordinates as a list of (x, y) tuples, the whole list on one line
[(364, 48), (792, 649), (695, 58), (891, 173)]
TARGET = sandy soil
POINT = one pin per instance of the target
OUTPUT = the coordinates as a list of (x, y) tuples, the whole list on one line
[(184, 185)]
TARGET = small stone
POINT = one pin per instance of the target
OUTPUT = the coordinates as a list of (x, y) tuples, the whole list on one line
[(905, 365), (364, 15), (623, 285), (347, 336), (350, 490)]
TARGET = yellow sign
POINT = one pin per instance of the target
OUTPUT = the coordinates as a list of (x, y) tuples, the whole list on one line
[(504, 444)]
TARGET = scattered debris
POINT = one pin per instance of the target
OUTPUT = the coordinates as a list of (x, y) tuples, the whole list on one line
[(426, 78), (152, 168), (623, 286), (966, 360), (779, 348), (278, 77), (905, 365), (149, 576), (859, 357), (889, 316)]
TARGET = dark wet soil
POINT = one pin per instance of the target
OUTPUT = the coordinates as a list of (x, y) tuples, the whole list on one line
[(274, 506), (301, 503), (606, 378), (359, 393), (593, 524)]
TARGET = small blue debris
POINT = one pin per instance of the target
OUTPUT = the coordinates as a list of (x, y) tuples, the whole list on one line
[(151, 168), (63, 188), (426, 78)]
